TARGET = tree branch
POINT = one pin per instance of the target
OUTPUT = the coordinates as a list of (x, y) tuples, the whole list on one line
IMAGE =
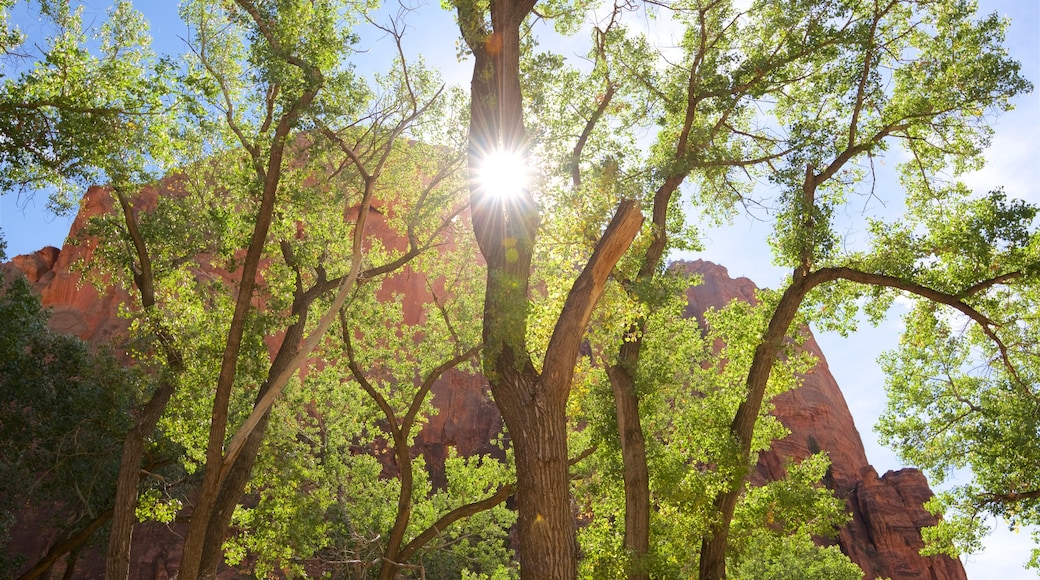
[(453, 516), (584, 294)]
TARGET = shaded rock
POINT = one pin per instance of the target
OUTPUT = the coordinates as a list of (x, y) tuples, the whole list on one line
[(38, 264)]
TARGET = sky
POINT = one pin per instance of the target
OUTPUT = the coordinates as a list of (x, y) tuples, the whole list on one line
[(1013, 161)]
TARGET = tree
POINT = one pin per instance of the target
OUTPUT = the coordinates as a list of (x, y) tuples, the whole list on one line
[(73, 119), (961, 384), (370, 503), (937, 118), (383, 374), (532, 400), (841, 81), (64, 412), (805, 97), (688, 383), (265, 115)]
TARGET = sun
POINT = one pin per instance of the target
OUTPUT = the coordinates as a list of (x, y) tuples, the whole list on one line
[(503, 174)]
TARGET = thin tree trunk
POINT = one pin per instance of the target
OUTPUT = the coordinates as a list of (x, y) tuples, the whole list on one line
[(120, 537), (201, 536), (70, 565), (713, 547), (389, 566), (636, 473), (72, 543), (117, 557)]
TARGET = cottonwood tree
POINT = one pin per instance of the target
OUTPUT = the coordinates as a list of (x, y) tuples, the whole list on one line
[(806, 95), (531, 394), (962, 384), (689, 387), (838, 83), (73, 118), (370, 503), (444, 344), (259, 78), (922, 75), (293, 55)]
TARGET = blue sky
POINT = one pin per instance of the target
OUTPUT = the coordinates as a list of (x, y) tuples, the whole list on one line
[(1013, 162)]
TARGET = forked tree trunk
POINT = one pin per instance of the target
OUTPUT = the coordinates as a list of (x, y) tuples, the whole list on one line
[(533, 404), (231, 489), (234, 477), (216, 499)]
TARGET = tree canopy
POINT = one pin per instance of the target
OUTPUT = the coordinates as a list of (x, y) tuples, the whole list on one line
[(295, 185)]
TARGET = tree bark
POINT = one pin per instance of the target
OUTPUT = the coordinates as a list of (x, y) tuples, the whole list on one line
[(533, 404), (120, 538), (548, 546), (633, 455)]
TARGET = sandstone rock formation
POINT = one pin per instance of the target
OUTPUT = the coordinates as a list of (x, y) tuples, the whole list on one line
[(883, 536)]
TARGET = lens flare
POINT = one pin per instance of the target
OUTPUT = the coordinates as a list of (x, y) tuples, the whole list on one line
[(503, 174)]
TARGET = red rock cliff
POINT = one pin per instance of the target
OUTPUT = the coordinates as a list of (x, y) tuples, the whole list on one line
[(884, 535)]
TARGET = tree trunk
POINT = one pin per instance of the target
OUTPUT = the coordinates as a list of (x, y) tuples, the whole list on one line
[(117, 556), (537, 423), (533, 405), (713, 547), (636, 473), (201, 538), (234, 477), (120, 537)]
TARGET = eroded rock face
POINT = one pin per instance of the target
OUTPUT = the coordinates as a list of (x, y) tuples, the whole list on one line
[(76, 307), (883, 536)]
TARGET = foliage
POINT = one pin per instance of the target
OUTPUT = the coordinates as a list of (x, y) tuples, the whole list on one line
[(78, 116), (958, 399), (63, 412), (794, 557), (689, 379), (776, 523), (292, 193)]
